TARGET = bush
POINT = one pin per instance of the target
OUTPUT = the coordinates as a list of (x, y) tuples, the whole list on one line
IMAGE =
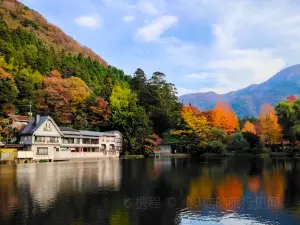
[(252, 139), (218, 135), (216, 147), (266, 150), (238, 143)]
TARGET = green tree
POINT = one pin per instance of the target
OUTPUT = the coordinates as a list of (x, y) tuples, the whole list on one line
[(237, 142), (218, 135), (8, 88), (28, 82), (129, 118)]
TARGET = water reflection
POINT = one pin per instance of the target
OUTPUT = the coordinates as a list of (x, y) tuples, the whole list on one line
[(163, 191)]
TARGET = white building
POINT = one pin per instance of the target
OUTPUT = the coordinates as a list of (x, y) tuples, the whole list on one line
[(44, 140)]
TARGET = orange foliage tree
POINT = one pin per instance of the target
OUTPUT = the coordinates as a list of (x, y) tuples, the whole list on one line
[(99, 111), (63, 96), (270, 131), (249, 127), (223, 117), (196, 123)]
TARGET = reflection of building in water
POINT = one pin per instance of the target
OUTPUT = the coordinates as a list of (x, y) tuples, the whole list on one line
[(47, 182), (109, 174)]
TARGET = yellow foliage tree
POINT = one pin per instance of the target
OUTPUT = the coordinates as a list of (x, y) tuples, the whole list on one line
[(270, 131), (249, 127), (196, 123)]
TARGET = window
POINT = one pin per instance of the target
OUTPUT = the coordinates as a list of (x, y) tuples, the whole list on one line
[(90, 141), (47, 127), (68, 141), (53, 140), (118, 140), (42, 151), (39, 139), (112, 139)]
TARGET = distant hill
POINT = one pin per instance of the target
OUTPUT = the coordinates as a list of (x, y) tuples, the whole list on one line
[(247, 102), (15, 14)]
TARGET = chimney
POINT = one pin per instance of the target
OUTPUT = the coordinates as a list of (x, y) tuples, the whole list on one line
[(37, 119)]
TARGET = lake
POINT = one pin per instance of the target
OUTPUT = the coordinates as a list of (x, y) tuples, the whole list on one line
[(163, 191)]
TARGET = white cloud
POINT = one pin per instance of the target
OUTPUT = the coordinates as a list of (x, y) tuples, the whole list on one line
[(128, 18), (250, 42), (183, 91), (147, 7), (156, 28), (88, 21)]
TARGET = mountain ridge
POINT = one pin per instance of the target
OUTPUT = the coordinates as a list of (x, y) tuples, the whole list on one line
[(247, 101)]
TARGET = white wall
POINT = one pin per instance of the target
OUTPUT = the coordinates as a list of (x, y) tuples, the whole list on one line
[(165, 148), (46, 131)]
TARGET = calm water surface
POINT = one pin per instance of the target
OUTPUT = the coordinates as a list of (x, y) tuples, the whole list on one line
[(170, 191)]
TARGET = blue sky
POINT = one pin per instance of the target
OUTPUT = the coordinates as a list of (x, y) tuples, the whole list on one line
[(201, 45)]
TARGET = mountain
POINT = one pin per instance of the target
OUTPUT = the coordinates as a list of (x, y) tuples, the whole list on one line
[(16, 15), (247, 101)]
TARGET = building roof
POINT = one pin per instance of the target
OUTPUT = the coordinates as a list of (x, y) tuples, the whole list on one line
[(68, 129), (20, 118), (64, 131), (32, 126), (94, 133), (114, 131)]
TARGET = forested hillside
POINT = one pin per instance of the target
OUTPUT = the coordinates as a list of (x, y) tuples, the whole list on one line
[(16, 15), (81, 92)]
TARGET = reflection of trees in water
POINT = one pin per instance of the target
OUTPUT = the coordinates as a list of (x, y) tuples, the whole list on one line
[(274, 186), (229, 193), (292, 192), (96, 193), (254, 184), (201, 190), (8, 194)]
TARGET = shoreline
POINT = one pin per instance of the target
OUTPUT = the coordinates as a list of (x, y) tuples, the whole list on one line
[(170, 155)]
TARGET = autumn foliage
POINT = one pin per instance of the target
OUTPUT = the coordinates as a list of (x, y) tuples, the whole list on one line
[(249, 127), (63, 96), (224, 118), (291, 98), (152, 143), (270, 131), (196, 123)]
